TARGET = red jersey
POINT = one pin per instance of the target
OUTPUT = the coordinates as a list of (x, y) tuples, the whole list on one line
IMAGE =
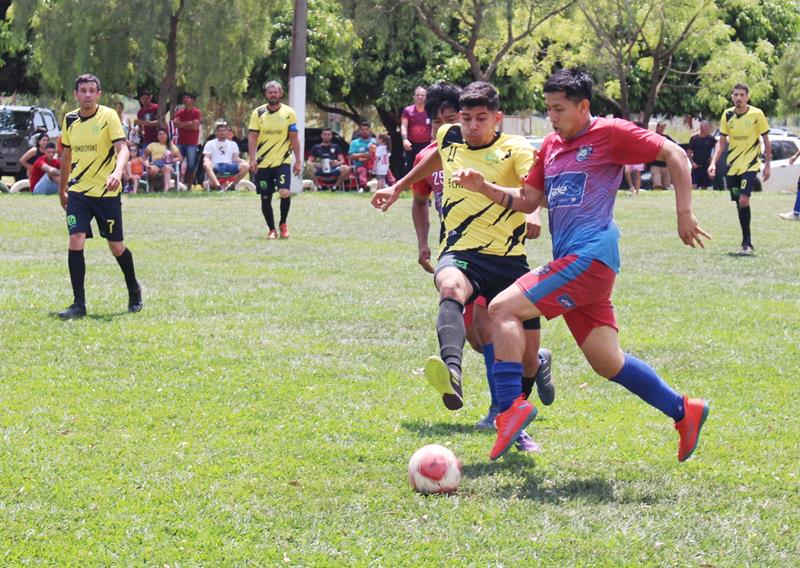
[(37, 173), (187, 135), (433, 183), (149, 133), (419, 126)]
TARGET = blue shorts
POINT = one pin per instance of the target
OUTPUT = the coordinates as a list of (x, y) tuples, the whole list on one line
[(226, 169), (189, 153), (161, 163)]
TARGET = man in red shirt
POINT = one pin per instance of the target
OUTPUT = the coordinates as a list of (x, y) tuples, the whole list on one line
[(187, 119), (45, 172), (415, 128), (147, 118)]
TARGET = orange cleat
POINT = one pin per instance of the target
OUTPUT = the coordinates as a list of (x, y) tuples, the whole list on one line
[(510, 423), (695, 414), (284, 231)]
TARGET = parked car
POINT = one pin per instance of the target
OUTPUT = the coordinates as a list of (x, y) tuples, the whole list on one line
[(783, 177), (19, 126)]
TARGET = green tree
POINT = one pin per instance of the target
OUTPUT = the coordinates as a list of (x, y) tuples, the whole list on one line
[(787, 80)]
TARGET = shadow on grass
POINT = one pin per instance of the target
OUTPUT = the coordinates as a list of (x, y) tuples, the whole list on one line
[(96, 317), (431, 429)]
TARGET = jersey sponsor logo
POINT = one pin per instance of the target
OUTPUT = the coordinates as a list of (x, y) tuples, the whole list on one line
[(85, 148), (565, 189), (566, 301), (583, 153)]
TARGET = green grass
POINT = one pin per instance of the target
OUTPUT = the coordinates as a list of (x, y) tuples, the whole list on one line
[(261, 410)]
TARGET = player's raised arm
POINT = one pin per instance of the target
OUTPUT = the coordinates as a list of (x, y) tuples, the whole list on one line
[(525, 199), (384, 198), (689, 230)]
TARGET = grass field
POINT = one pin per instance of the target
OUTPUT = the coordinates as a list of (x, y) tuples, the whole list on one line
[(261, 410)]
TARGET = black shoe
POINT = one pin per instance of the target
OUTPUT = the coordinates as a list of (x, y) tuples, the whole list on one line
[(135, 303), (545, 387), (73, 312)]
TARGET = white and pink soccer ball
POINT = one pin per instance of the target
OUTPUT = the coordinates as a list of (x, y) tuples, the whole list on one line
[(434, 469)]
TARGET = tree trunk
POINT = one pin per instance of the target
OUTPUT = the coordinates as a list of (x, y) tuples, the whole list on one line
[(169, 88), (391, 122)]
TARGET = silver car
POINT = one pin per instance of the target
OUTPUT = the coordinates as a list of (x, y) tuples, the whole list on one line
[(19, 126)]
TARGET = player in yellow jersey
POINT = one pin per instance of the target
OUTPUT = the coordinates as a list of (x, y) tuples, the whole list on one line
[(741, 128), (482, 251), (272, 140), (95, 154)]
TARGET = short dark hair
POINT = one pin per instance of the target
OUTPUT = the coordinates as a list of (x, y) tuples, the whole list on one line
[(162, 129), (478, 94), (576, 84), (143, 92), (364, 123), (326, 129), (87, 78), (442, 95), (742, 87), (50, 145)]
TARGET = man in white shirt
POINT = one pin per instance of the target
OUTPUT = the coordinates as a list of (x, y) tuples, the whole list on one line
[(221, 159)]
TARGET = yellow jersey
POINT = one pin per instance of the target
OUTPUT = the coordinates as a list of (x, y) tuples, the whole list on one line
[(273, 127), (744, 133), (91, 140), (472, 221)]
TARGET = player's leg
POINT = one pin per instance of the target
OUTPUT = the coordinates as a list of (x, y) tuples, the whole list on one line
[(241, 169), (479, 336), (444, 373), (79, 218), (284, 180), (794, 214), (265, 187), (108, 212), (211, 175), (743, 204)]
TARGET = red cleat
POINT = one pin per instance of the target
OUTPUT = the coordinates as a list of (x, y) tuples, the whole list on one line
[(510, 423), (284, 231), (695, 414), (272, 235)]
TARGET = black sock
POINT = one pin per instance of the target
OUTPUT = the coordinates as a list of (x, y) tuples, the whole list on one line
[(266, 209), (285, 203), (125, 261), (527, 386), (77, 274), (744, 221), (451, 332)]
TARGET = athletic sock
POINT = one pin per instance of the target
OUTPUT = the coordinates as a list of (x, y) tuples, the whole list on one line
[(527, 386), (285, 203), (266, 209), (451, 332), (488, 359), (507, 383), (642, 380), (125, 261), (77, 274), (744, 221)]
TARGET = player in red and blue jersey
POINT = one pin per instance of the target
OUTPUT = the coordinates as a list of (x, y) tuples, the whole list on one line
[(577, 173)]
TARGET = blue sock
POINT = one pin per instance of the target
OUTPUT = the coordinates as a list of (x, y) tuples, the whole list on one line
[(488, 359), (640, 378), (507, 383), (797, 200)]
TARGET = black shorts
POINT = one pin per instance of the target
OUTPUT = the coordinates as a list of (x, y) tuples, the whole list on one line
[(741, 184), (489, 274), (269, 180), (107, 211)]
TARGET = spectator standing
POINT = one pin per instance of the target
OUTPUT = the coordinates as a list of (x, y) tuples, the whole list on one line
[(415, 128), (744, 124), (271, 141), (793, 215), (187, 120), (360, 153), (221, 158), (147, 118), (328, 159), (45, 172), (661, 177), (126, 125), (380, 167), (701, 146)]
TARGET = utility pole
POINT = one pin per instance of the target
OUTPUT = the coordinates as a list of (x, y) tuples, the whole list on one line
[(297, 77)]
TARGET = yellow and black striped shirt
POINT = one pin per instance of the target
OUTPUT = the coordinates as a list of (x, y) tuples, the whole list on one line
[(472, 221), (744, 133), (91, 140), (273, 127)]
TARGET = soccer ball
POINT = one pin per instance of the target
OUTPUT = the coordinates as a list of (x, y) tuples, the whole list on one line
[(434, 469)]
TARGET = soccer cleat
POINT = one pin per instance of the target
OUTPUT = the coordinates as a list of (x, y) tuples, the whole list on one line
[(695, 414), (790, 216), (445, 381), (525, 443), (545, 387), (284, 231), (510, 423), (487, 422), (73, 312), (272, 235), (135, 303), (747, 250)]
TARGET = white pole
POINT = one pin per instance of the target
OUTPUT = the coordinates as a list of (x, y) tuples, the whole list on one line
[(297, 78)]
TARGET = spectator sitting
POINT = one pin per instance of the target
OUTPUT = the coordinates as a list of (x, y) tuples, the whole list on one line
[(160, 157), (187, 120), (328, 160), (45, 172), (147, 118), (134, 169), (34, 153), (221, 159), (380, 165), (360, 153)]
